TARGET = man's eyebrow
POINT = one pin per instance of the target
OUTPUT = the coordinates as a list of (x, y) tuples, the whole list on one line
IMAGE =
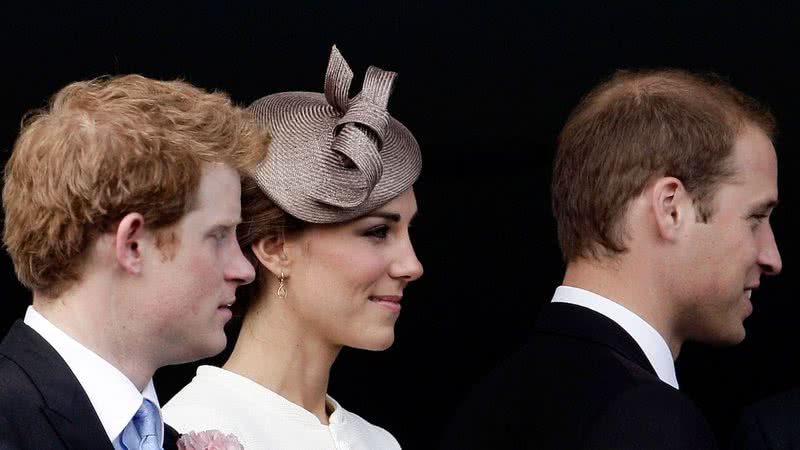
[(228, 223), (766, 206)]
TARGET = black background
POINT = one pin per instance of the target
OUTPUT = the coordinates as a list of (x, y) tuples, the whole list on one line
[(485, 88)]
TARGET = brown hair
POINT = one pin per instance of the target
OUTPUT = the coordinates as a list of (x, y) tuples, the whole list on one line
[(633, 127), (261, 219), (105, 148)]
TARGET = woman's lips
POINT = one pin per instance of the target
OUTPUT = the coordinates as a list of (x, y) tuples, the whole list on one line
[(391, 302)]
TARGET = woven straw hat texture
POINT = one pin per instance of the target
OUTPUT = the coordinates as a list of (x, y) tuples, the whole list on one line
[(335, 158)]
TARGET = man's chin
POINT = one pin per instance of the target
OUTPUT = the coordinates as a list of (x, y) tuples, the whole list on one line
[(726, 338), (719, 334), (210, 348), (216, 347)]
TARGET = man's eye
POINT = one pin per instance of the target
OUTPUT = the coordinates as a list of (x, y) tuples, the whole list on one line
[(758, 219)]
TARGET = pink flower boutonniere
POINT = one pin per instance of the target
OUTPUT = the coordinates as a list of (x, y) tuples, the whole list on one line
[(209, 440)]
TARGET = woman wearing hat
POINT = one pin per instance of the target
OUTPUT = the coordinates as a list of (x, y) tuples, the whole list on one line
[(325, 222)]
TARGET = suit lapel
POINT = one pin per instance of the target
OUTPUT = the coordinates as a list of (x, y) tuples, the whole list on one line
[(66, 405), (583, 323), (171, 437)]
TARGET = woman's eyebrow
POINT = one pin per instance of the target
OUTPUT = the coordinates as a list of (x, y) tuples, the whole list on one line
[(394, 217)]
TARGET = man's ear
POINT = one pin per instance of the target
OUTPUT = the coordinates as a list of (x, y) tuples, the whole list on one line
[(128, 242), (671, 205), (272, 254)]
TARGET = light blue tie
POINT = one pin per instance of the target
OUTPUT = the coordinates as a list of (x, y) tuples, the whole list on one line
[(143, 430)]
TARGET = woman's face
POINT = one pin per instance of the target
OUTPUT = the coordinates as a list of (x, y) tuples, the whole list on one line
[(346, 280)]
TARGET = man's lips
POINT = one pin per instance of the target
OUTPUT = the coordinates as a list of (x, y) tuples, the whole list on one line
[(227, 305)]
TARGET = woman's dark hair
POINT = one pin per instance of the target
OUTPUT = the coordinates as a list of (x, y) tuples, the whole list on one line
[(261, 219)]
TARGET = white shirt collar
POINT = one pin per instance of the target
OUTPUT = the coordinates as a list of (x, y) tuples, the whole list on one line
[(653, 345), (114, 397)]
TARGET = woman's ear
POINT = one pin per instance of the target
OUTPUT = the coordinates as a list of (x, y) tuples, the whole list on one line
[(272, 255), (128, 242)]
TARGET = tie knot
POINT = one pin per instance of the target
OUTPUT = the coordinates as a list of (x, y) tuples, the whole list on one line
[(145, 427), (148, 418)]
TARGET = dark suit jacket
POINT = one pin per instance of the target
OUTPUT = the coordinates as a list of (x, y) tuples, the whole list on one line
[(42, 404), (581, 382), (771, 424)]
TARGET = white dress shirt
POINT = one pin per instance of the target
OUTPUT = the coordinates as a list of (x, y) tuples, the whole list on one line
[(217, 399), (653, 345), (114, 397)]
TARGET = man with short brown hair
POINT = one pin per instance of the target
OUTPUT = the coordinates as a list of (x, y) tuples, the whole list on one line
[(121, 201), (662, 189)]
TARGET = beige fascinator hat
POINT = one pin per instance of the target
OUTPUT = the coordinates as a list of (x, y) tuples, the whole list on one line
[(334, 158)]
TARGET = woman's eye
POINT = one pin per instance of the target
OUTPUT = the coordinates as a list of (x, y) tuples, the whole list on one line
[(379, 232)]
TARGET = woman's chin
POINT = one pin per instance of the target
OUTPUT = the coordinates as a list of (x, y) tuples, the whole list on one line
[(378, 343)]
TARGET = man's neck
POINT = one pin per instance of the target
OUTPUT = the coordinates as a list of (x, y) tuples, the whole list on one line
[(630, 286), (88, 319)]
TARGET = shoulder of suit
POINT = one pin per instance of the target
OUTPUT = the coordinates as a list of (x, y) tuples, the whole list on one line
[(654, 415), (770, 423), (14, 384), (659, 397), (21, 417), (778, 411), (560, 356)]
